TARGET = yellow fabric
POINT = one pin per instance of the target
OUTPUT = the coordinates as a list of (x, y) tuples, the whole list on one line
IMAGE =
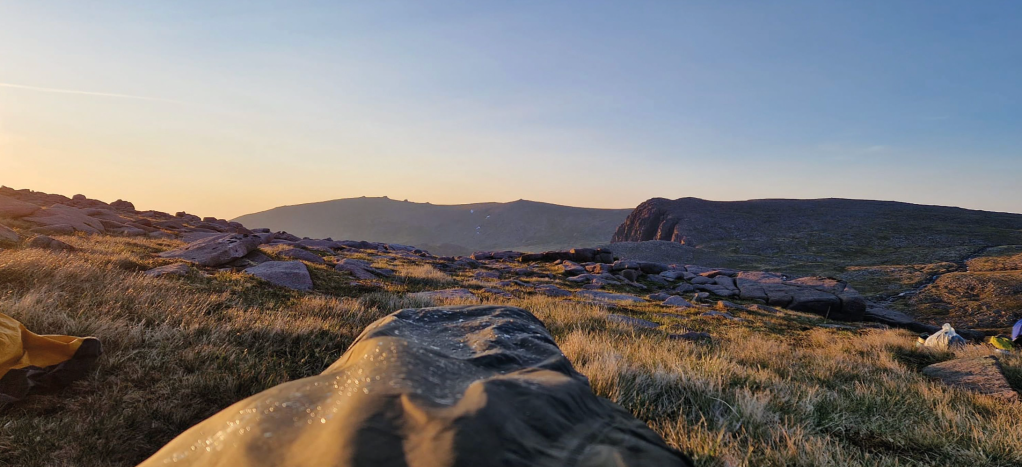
[(1002, 343), (20, 348)]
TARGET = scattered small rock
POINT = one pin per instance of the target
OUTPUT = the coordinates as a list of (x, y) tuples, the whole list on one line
[(660, 296), (607, 296), (176, 269), (677, 301), (636, 322), (499, 292), (290, 274), (8, 236), (44, 242), (302, 255), (552, 290), (691, 336), (720, 314), (447, 294), (763, 309), (487, 275)]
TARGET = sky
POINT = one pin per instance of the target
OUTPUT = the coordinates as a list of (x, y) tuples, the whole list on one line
[(223, 108)]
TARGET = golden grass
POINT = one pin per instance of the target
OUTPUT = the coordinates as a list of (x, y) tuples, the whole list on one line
[(767, 391)]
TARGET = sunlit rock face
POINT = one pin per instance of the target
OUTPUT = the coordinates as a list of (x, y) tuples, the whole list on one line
[(434, 387)]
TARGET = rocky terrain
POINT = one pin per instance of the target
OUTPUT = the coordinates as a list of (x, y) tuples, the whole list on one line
[(726, 364), (447, 229), (887, 250)]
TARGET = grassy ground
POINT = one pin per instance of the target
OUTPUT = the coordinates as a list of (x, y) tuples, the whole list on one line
[(767, 390)]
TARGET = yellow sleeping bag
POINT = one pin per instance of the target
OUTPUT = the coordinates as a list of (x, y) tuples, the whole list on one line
[(30, 361), (1002, 343)]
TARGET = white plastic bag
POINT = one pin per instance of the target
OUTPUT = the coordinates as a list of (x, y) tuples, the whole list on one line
[(945, 339)]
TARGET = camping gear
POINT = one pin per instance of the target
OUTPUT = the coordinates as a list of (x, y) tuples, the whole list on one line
[(439, 387), (31, 362), (1016, 332), (1001, 343), (945, 339)]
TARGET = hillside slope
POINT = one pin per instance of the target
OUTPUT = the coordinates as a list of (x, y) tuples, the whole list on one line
[(821, 235), (446, 229)]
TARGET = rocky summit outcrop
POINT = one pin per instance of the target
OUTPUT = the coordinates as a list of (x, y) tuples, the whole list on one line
[(50, 214), (216, 250), (819, 234), (439, 387)]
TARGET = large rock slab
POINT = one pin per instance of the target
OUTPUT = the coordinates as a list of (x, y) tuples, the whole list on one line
[(981, 375), (851, 305), (60, 214), (897, 319), (13, 208), (290, 274), (823, 296), (435, 387), (217, 250), (607, 296)]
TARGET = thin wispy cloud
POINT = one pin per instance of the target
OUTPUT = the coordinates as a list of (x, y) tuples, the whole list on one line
[(89, 93)]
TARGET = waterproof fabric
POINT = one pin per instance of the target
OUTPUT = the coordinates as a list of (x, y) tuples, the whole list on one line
[(1016, 332), (31, 362), (945, 339), (466, 386), (1002, 343)]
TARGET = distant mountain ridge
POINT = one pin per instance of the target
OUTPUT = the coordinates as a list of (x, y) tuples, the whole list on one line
[(447, 229)]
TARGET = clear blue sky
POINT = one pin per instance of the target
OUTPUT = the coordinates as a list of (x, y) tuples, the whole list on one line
[(224, 108)]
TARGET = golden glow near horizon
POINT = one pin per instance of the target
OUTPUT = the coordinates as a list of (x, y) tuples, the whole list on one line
[(160, 156)]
